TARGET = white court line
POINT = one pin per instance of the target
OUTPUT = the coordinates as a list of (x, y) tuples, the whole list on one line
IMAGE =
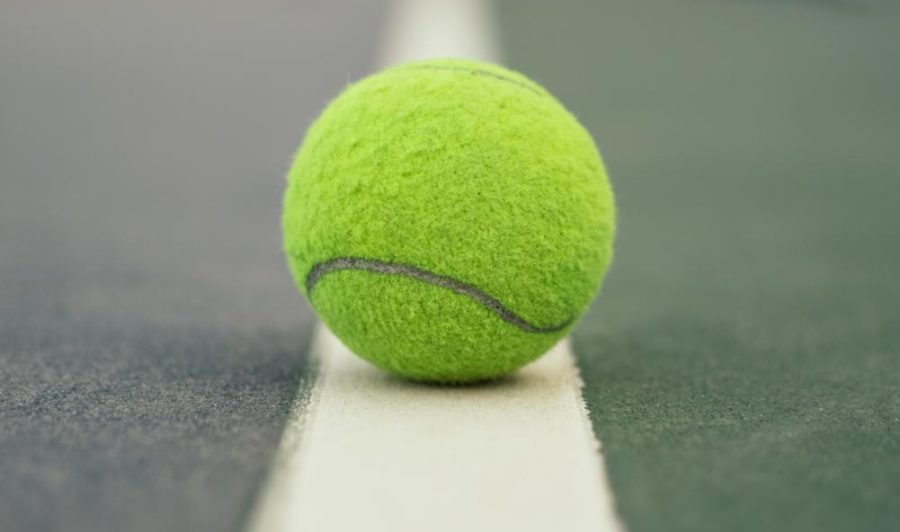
[(371, 452)]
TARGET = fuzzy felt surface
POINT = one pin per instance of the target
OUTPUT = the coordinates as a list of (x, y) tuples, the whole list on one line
[(483, 203)]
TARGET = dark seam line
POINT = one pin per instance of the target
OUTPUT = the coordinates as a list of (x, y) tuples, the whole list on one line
[(391, 268), (478, 72)]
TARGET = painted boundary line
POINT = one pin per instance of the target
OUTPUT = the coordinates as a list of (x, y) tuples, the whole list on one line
[(367, 451)]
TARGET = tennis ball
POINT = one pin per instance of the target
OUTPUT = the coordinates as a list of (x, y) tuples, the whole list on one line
[(448, 220)]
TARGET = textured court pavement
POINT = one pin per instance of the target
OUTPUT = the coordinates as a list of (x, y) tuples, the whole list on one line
[(150, 338)]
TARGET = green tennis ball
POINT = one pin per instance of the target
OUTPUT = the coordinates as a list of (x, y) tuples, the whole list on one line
[(448, 220)]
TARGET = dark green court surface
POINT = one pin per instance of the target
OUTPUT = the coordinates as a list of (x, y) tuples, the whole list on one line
[(743, 364)]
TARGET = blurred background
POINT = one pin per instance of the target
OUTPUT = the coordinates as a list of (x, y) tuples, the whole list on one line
[(741, 365)]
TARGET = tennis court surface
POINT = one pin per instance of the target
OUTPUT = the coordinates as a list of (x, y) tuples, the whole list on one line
[(739, 371)]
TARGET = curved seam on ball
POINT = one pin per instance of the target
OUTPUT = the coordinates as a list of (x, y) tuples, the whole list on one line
[(443, 281), (477, 72)]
